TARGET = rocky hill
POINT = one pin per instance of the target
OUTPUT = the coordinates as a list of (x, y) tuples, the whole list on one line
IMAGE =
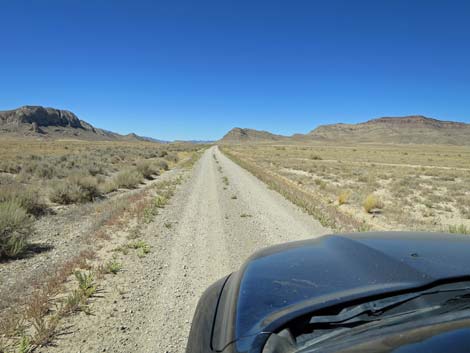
[(408, 129), (239, 135), (40, 122)]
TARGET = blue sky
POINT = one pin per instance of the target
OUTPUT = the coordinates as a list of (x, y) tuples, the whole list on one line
[(195, 69)]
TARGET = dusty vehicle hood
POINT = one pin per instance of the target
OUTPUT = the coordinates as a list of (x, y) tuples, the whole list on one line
[(282, 282)]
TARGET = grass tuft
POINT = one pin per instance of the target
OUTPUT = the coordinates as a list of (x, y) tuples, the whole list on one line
[(371, 203), (343, 197), (86, 283), (112, 266), (15, 228)]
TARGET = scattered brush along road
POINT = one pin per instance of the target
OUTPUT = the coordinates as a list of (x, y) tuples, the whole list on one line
[(217, 218)]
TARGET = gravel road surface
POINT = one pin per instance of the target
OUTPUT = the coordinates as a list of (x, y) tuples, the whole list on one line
[(217, 218)]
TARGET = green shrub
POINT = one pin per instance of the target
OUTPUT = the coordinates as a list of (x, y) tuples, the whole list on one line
[(15, 229), (128, 179), (161, 201), (86, 283), (141, 246), (112, 266)]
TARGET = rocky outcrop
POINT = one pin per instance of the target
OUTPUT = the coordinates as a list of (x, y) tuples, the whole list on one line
[(40, 116), (41, 122)]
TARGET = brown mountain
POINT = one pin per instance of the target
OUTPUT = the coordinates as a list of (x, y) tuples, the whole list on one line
[(239, 135), (416, 129), (408, 129), (40, 122)]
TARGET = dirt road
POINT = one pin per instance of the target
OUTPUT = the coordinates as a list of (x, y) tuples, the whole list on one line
[(218, 217)]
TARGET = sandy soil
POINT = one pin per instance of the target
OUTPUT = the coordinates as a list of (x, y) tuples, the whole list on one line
[(209, 228)]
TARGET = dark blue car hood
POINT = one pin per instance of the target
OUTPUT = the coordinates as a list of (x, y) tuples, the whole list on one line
[(282, 282)]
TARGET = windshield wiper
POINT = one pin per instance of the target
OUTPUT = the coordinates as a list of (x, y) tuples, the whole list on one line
[(373, 310)]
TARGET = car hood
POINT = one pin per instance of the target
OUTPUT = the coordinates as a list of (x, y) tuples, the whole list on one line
[(282, 282)]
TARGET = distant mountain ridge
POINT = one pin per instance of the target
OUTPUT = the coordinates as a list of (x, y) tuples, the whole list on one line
[(38, 121), (415, 129), (238, 135), (408, 129)]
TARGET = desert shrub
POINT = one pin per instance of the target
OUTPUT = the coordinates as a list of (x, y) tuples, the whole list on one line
[(162, 164), (64, 193), (15, 229), (371, 202), (172, 157), (343, 197), (95, 169), (115, 160), (44, 171), (145, 168), (10, 167), (25, 196), (108, 186), (128, 179), (363, 178), (6, 180), (315, 157), (112, 266), (86, 283), (75, 189), (320, 183), (88, 185)]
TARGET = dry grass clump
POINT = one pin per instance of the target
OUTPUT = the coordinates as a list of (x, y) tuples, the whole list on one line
[(343, 197), (15, 229), (372, 203), (75, 189), (128, 179)]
